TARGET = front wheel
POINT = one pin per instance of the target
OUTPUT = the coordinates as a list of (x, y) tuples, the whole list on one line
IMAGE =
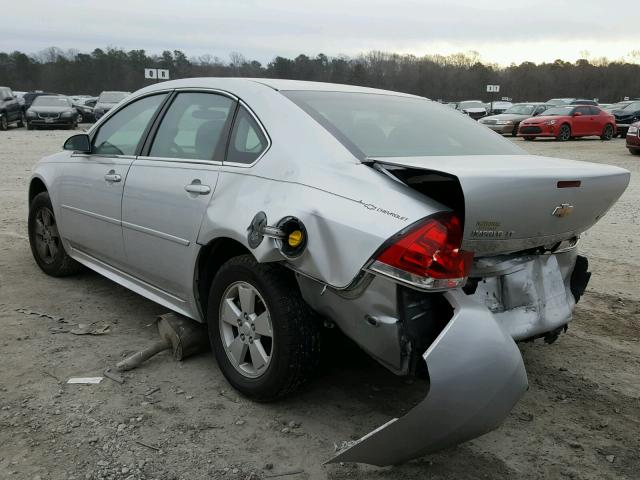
[(564, 133), (265, 338), (634, 151), (44, 239), (607, 133), (4, 123)]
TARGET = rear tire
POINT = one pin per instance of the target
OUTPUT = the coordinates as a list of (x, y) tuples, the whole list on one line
[(45, 241), (289, 345), (564, 134), (634, 151), (4, 123), (607, 133), (29, 126)]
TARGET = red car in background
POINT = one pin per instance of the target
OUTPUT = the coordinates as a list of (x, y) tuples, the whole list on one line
[(567, 121), (633, 138)]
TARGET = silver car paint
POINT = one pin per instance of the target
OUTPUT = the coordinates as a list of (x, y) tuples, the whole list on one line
[(476, 376), (308, 174)]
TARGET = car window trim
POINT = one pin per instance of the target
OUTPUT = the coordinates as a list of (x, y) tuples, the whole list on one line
[(144, 152), (241, 103), (92, 134)]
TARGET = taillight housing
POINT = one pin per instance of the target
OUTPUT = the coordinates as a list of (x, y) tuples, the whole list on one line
[(427, 256)]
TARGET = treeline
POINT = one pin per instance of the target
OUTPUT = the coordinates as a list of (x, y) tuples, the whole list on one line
[(453, 77)]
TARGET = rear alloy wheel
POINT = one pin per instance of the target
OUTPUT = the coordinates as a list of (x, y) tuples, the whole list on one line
[(4, 124), (564, 133), (44, 239), (607, 133), (265, 338)]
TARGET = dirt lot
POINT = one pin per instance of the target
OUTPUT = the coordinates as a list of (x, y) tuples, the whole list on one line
[(580, 419)]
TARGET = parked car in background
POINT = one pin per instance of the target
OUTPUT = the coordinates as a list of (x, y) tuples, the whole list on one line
[(633, 138), (248, 205), (91, 102), (20, 97), (85, 112), (616, 106), (474, 108), (52, 111), (567, 121), (10, 109), (29, 97), (498, 107), (627, 115), (106, 101), (584, 102), (508, 122), (560, 101)]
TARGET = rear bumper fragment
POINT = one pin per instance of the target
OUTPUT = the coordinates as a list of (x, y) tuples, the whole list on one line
[(476, 377)]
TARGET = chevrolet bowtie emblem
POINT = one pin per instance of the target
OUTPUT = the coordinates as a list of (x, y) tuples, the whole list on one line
[(562, 210)]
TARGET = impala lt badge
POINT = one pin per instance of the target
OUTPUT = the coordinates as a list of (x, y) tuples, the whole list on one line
[(562, 210)]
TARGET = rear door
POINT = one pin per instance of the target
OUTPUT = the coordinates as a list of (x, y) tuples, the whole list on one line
[(90, 186), (169, 187)]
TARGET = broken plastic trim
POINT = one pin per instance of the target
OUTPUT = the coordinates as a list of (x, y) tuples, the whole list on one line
[(476, 377)]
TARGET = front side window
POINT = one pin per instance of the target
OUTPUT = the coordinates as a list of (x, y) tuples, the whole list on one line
[(194, 127), (374, 125), (247, 140), (121, 133)]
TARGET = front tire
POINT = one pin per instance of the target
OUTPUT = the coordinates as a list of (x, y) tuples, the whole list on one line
[(634, 151), (607, 133), (265, 338), (45, 241), (564, 133), (4, 123)]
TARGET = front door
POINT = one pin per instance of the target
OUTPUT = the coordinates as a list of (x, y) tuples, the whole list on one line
[(91, 186), (168, 190)]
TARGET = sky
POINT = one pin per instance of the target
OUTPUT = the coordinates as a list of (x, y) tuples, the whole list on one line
[(501, 32)]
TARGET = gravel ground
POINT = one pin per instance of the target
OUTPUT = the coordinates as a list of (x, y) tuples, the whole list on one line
[(580, 418)]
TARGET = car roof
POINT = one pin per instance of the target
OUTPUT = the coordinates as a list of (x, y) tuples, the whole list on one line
[(273, 83)]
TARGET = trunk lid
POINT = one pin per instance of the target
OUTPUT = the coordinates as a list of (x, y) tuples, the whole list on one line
[(513, 203)]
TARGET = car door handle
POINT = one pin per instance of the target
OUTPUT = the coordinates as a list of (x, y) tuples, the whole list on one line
[(112, 176), (198, 188)]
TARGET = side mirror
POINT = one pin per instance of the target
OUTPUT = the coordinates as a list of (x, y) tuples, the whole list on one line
[(577, 114), (78, 143)]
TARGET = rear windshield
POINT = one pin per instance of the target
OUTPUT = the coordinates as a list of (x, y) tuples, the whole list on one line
[(521, 109), (373, 125)]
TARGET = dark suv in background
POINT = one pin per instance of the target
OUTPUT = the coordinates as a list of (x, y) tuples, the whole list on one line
[(10, 109)]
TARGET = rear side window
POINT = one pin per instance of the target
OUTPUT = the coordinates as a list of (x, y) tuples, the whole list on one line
[(194, 127), (247, 141), (121, 133), (375, 125)]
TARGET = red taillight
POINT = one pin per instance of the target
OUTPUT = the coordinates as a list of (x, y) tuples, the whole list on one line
[(430, 253)]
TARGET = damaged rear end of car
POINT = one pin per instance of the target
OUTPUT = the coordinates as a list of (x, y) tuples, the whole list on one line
[(447, 297)]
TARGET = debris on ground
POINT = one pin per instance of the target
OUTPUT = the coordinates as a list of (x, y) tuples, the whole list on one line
[(113, 376), (26, 311), (87, 329), (85, 380)]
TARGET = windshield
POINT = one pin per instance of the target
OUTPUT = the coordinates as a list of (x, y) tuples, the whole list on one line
[(466, 105), (521, 109), (44, 101), (112, 97), (373, 125), (560, 101), (555, 111), (632, 106)]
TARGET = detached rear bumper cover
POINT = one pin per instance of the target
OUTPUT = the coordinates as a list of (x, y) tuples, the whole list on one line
[(476, 377)]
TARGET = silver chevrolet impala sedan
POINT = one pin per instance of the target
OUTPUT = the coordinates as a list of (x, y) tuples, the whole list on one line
[(271, 208)]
